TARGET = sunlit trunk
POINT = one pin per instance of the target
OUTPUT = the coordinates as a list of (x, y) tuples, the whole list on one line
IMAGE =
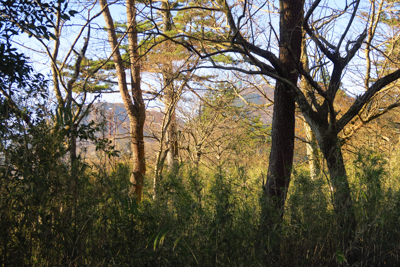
[(137, 115), (169, 92), (138, 162), (133, 102), (311, 146), (312, 152)]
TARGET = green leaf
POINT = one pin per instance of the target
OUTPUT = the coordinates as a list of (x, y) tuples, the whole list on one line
[(176, 243), (365, 196), (72, 12), (161, 235), (52, 36), (340, 257)]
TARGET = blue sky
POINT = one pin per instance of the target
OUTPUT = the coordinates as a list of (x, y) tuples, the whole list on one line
[(99, 47)]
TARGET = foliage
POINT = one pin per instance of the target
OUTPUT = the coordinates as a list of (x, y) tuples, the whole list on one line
[(17, 17), (178, 229), (207, 210)]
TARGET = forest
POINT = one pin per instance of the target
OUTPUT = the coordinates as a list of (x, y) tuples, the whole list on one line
[(199, 133)]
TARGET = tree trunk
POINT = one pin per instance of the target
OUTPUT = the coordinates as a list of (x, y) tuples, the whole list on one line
[(159, 166), (138, 158), (283, 122), (283, 128), (343, 204), (133, 104), (311, 146), (170, 92), (138, 117), (171, 137), (312, 152)]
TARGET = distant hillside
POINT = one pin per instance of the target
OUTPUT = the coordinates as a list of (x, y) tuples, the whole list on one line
[(115, 121), (256, 98)]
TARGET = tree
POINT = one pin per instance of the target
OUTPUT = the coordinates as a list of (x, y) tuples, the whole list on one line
[(72, 80), (34, 152), (15, 72), (322, 117), (133, 102), (221, 134), (168, 59), (283, 122), (321, 114), (167, 131), (281, 157), (311, 145), (169, 91)]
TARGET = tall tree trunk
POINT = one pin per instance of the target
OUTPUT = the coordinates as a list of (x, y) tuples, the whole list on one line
[(312, 152), (171, 135), (311, 146), (342, 201), (158, 168), (139, 109), (283, 128), (169, 91), (329, 143), (283, 122), (133, 104)]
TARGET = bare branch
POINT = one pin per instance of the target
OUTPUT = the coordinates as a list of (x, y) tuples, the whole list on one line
[(362, 100)]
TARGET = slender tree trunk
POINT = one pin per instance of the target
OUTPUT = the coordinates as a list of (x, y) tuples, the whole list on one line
[(138, 117), (73, 160), (312, 145), (172, 138), (138, 159), (54, 55), (197, 156), (283, 122), (326, 134), (159, 166), (133, 104), (169, 92), (171, 131), (329, 144), (312, 152)]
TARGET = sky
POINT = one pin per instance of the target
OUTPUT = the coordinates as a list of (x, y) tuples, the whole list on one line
[(99, 47)]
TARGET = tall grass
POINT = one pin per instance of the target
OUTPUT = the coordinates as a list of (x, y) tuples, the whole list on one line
[(200, 218)]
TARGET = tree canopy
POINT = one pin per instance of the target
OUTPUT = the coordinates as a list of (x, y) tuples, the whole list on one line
[(250, 132)]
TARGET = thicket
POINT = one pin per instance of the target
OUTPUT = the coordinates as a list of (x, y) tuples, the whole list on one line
[(201, 217), (60, 210)]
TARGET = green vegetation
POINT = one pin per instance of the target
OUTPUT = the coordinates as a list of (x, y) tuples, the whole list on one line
[(44, 225), (206, 216), (70, 196)]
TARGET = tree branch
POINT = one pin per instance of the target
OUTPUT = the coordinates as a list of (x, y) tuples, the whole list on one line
[(362, 100)]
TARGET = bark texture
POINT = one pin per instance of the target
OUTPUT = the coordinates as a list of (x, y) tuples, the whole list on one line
[(137, 116), (312, 152), (133, 104), (342, 201), (169, 91), (283, 122), (312, 145)]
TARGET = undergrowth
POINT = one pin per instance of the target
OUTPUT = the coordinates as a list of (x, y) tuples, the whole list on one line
[(200, 217)]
